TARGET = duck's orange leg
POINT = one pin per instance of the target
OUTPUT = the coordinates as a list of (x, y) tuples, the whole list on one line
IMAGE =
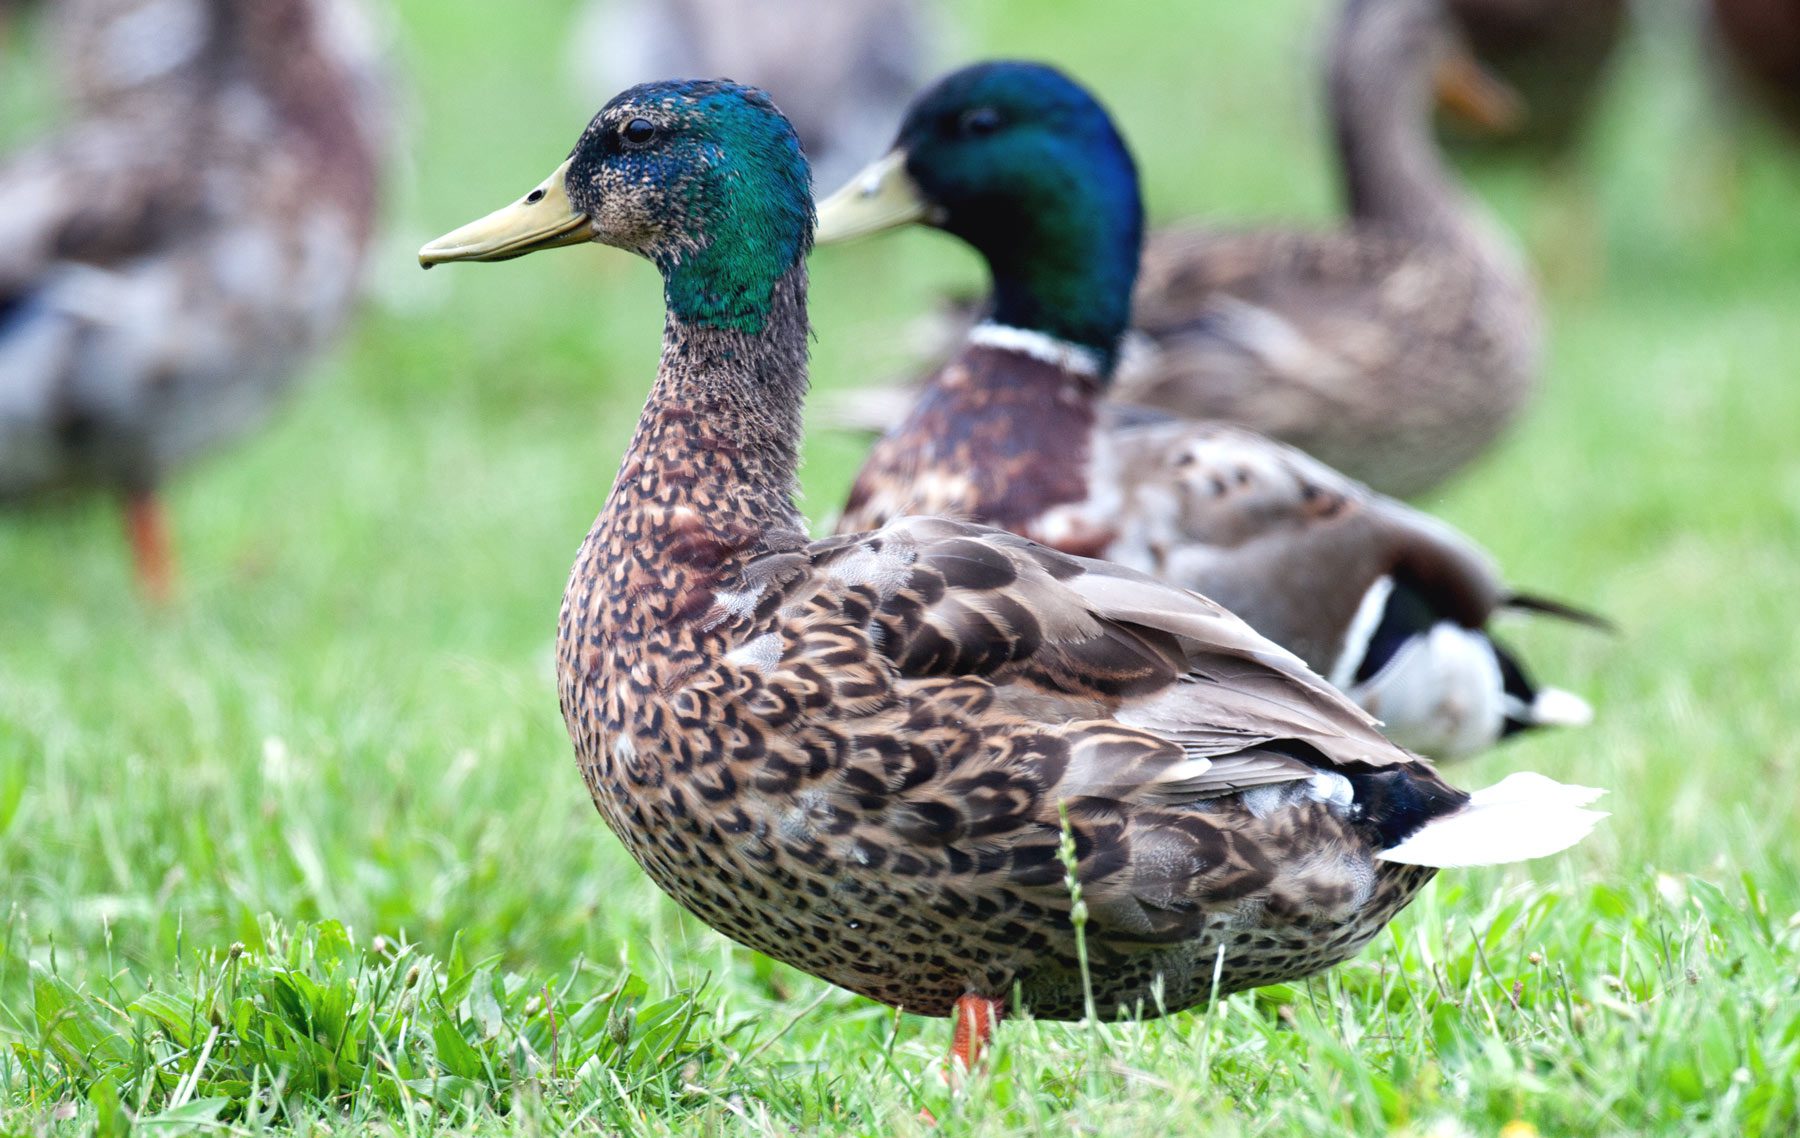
[(975, 1020), (148, 530)]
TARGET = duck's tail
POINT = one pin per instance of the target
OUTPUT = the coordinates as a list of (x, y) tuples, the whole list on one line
[(1523, 816)]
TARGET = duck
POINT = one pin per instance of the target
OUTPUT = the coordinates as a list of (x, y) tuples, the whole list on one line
[(1395, 348), (1554, 58), (1760, 41), (1027, 166), (875, 757), (174, 255), (841, 71)]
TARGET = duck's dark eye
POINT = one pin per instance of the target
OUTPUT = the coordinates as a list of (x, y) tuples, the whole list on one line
[(980, 121), (638, 132)]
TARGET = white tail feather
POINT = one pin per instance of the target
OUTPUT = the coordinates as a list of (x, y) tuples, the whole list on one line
[(1555, 707), (1523, 816)]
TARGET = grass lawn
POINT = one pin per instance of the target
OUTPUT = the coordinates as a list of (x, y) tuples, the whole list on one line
[(309, 850)]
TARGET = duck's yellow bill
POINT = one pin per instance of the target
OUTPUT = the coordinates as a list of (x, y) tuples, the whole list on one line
[(881, 196), (1476, 96), (542, 219)]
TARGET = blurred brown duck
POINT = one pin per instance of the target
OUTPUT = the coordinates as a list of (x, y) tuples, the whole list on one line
[(1396, 349), (1025, 165), (841, 70), (861, 755), (173, 256), (1761, 38), (1555, 56)]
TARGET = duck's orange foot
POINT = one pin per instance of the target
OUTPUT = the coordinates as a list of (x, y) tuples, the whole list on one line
[(151, 549), (975, 1019)]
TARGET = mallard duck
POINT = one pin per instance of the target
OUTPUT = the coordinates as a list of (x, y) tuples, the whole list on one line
[(172, 257), (841, 71), (1027, 166), (1761, 38), (1395, 349), (1554, 55), (859, 755)]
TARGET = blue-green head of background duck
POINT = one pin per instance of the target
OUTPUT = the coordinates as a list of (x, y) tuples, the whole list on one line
[(857, 755)]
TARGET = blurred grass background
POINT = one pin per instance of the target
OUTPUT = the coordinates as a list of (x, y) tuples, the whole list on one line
[(351, 717)]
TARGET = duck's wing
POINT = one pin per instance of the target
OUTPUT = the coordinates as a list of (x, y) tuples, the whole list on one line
[(936, 697), (1060, 641), (1387, 602), (1396, 359), (1313, 310), (1280, 538)]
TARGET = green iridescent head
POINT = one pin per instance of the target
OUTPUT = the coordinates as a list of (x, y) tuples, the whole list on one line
[(703, 177), (1024, 164)]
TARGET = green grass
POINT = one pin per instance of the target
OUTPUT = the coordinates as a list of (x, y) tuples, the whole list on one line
[(342, 752)]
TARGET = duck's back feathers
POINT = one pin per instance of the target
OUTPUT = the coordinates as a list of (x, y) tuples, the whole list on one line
[(920, 705), (1388, 603), (1393, 357)]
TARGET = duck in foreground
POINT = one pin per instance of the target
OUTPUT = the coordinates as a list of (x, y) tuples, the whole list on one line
[(171, 259), (857, 755), (1015, 431)]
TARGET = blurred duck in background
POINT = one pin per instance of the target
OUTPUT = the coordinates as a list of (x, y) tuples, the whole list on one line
[(841, 70), (1396, 348), (174, 254), (1390, 605), (1553, 58), (1555, 55), (1761, 40)]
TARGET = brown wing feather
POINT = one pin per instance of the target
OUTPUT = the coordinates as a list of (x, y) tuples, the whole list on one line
[(1281, 539)]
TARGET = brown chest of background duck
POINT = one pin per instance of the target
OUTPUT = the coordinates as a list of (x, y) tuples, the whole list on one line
[(857, 755)]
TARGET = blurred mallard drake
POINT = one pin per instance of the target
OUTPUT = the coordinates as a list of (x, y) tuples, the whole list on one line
[(1025, 165), (841, 70), (1395, 348), (858, 755), (1554, 55), (172, 256), (1761, 41)]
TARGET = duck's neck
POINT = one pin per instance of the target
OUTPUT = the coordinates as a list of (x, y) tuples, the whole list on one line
[(1063, 266), (1394, 174), (710, 473)]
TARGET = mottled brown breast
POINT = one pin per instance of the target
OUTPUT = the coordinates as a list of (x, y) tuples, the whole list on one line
[(997, 437)]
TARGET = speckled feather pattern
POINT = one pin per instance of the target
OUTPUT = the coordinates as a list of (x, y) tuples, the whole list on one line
[(171, 259)]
